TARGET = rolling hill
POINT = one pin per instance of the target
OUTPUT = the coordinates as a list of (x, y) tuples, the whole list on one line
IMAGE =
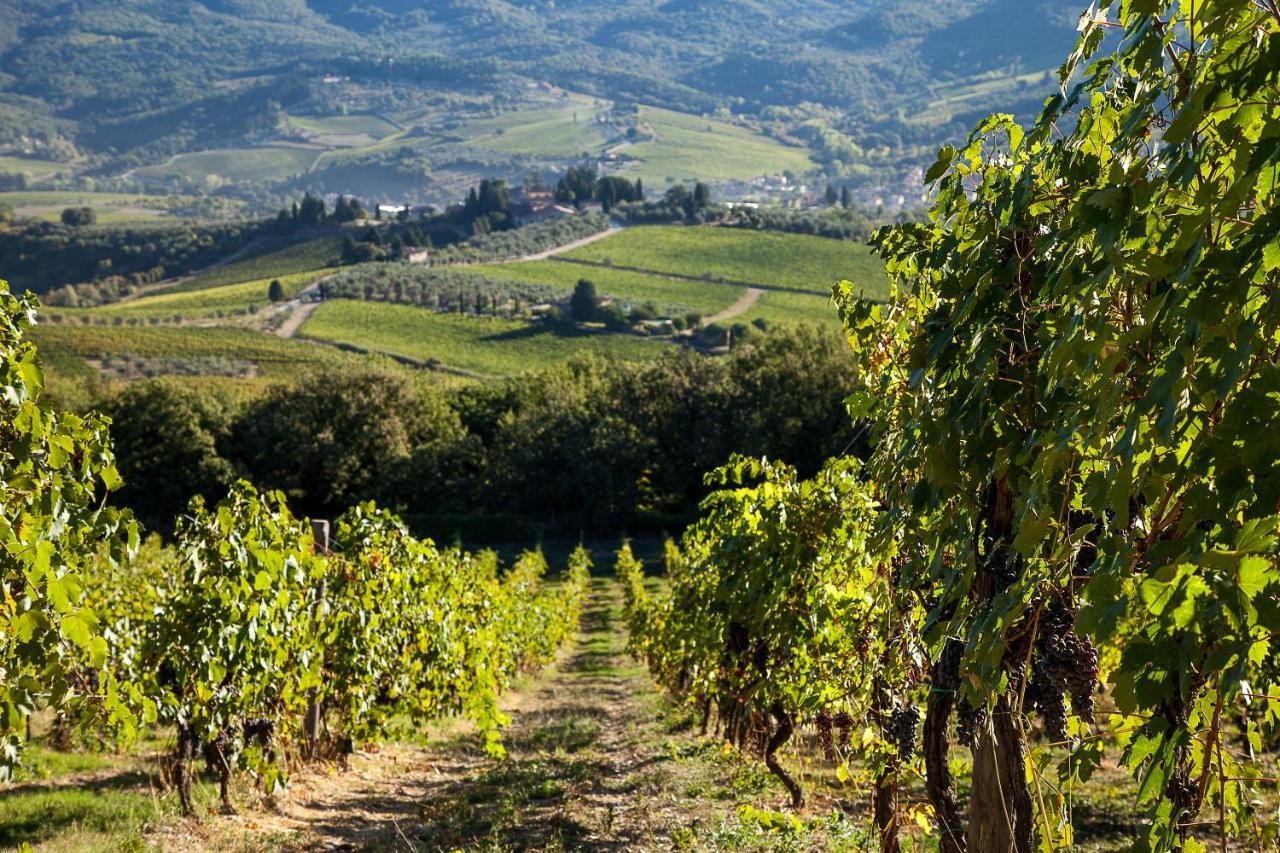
[(864, 87)]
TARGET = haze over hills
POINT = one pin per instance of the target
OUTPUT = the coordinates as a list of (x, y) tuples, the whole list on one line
[(864, 89)]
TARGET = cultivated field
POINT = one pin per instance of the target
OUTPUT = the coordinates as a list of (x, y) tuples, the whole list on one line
[(480, 345), (30, 167), (269, 260), (207, 302), (111, 208), (692, 147), (794, 261), (637, 288), (71, 346), (237, 164), (564, 131)]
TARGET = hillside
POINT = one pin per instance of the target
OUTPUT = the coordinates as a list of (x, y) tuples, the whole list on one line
[(383, 96)]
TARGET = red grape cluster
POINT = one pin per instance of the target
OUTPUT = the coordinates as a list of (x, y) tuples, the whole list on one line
[(903, 730), (1064, 664), (969, 719)]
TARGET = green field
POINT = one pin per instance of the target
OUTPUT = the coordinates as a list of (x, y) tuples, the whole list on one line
[(566, 131), (66, 347), (636, 288), (207, 302), (479, 345), (798, 261), (777, 307), (32, 168), (268, 261), (690, 147), (111, 208), (236, 164)]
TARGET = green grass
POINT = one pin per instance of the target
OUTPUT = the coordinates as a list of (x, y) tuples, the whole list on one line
[(798, 261), (208, 301), (702, 297), (689, 146), (237, 164), (480, 345), (32, 168), (270, 260), (546, 132)]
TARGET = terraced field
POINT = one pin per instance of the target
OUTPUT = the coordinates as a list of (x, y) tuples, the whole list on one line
[(485, 346)]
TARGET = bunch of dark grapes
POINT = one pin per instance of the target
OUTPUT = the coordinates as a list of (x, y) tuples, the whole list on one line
[(844, 728), (1045, 696), (902, 730), (1065, 664), (969, 719), (825, 739)]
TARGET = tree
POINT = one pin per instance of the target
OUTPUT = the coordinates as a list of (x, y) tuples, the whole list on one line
[(846, 200), (168, 437), (831, 195), (78, 217), (312, 211), (275, 291), (701, 197), (584, 303)]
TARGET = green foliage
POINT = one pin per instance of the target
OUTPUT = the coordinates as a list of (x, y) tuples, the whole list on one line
[(1073, 391), (782, 611), (252, 626), (585, 302), (237, 639), (54, 469)]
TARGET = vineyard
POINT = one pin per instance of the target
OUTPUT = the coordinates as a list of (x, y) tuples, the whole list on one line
[(1031, 606), (1061, 554), (248, 623)]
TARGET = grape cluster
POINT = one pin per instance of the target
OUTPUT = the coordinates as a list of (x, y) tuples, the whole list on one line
[(903, 729), (1065, 664), (969, 719), (826, 739), (844, 727)]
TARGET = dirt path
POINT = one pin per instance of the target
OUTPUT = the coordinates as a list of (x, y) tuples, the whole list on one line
[(299, 313), (737, 309), (591, 766)]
